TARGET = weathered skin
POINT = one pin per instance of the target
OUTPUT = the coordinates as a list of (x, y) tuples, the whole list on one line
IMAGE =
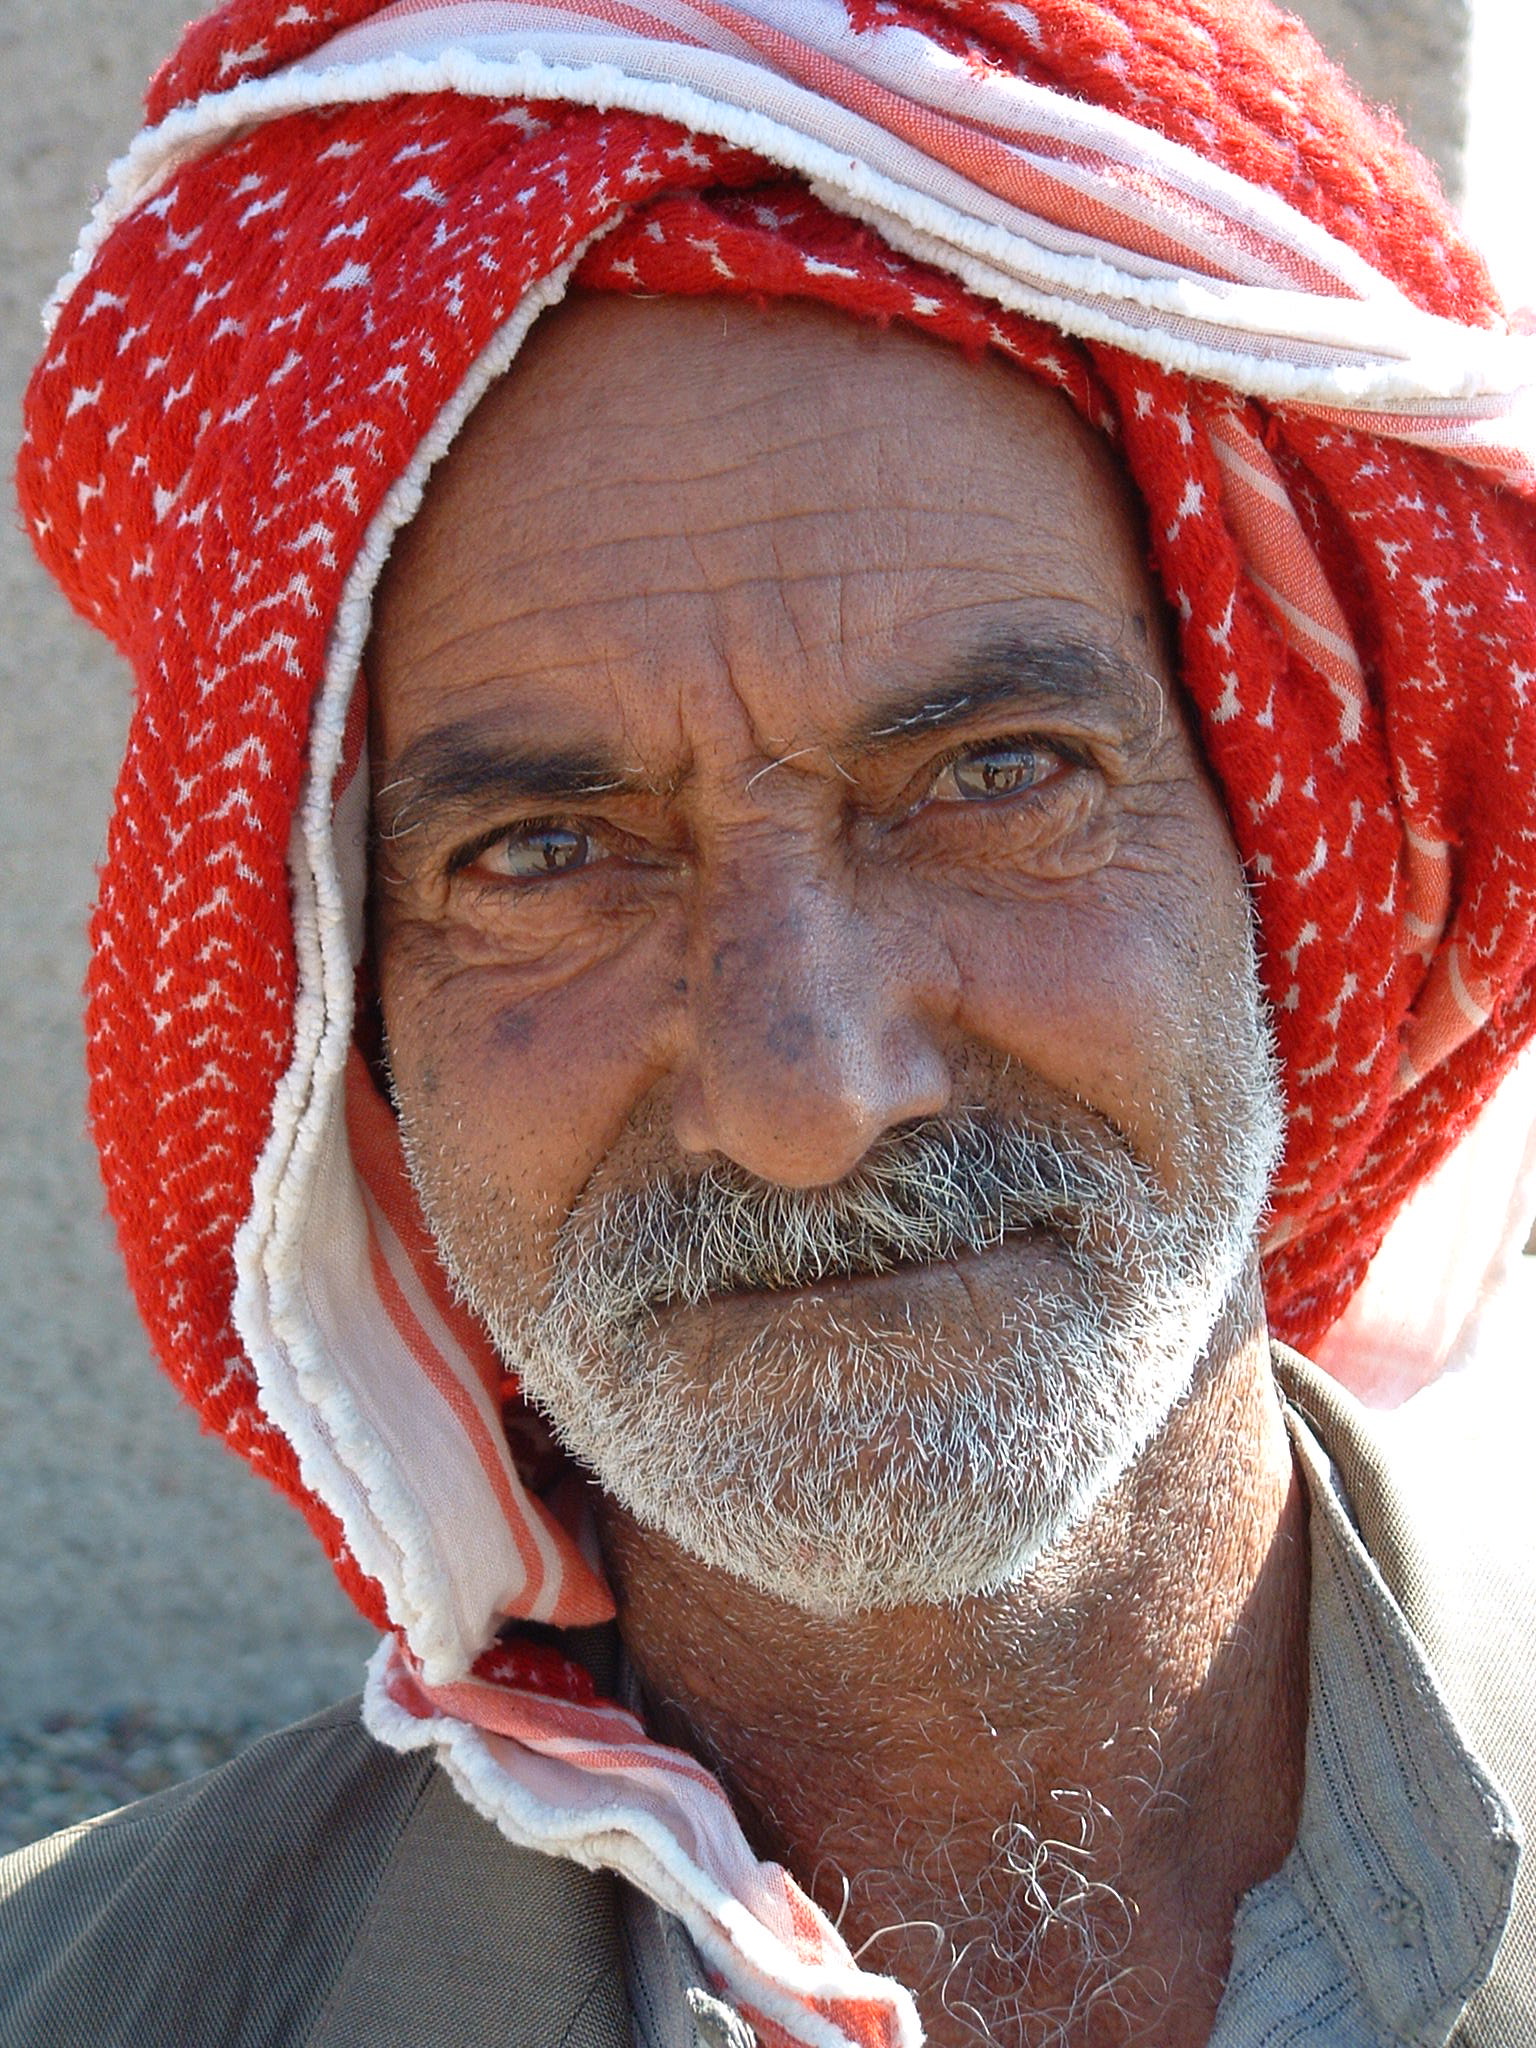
[(680, 576)]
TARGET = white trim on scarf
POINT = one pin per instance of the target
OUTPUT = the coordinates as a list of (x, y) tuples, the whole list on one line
[(1374, 351), (604, 1831), (280, 1305)]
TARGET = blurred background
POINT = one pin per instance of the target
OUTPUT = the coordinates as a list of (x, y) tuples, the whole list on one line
[(158, 1607)]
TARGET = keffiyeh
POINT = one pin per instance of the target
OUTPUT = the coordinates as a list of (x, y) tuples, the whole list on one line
[(338, 227)]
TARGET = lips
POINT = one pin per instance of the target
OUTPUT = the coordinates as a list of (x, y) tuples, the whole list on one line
[(933, 1195), (859, 1283)]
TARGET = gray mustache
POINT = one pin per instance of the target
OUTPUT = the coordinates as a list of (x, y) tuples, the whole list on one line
[(932, 1191)]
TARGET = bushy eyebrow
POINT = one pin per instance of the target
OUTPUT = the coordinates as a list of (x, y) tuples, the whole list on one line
[(459, 767), (1032, 673)]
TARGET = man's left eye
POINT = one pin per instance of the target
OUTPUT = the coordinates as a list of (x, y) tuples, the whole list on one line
[(1000, 769)]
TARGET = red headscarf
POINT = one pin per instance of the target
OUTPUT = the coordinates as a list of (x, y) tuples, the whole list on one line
[(279, 322), (230, 290)]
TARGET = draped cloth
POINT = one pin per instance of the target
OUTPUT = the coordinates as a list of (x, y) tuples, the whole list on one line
[(334, 233)]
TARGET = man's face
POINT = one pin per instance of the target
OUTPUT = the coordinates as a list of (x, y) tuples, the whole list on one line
[(816, 972)]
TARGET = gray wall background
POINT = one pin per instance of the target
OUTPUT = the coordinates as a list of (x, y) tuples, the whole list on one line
[(157, 1604), (148, 1583)]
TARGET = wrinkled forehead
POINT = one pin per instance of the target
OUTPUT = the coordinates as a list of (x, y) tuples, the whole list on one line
[(801, 508)]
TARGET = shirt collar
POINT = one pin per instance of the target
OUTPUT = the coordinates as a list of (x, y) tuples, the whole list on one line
[(1388, 1912)]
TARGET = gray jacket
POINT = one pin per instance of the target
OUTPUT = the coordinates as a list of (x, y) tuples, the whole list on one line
[(323, 1892)]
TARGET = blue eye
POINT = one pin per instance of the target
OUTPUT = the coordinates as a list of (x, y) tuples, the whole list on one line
[(1005, 768)]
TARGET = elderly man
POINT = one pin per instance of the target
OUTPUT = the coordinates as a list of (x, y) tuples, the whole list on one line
[(853, 915)]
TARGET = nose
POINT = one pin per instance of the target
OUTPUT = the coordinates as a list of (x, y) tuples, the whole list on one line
[(806, 1038)]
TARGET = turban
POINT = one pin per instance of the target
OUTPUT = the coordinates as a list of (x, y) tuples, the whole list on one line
[(335, 232)]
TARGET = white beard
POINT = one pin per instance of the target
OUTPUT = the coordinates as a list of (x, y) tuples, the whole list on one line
[(846, 1468)]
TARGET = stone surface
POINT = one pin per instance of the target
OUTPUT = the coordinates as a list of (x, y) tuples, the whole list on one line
[(157, 1605), (1408, 54), (72, 1767), (144, 1574)]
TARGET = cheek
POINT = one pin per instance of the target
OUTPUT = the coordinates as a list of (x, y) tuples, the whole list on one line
[(1101, 993), (1066, 989), (530, 1086)]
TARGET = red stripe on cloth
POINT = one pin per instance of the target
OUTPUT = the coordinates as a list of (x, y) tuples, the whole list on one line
[(975, 153), (519, 1717), (1285, 564), (440, 1375), (375, 1142), (638, 21), (354, 742), (560, 1585)]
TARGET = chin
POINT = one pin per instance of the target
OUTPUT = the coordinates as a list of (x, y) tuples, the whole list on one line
[(858, 1473)]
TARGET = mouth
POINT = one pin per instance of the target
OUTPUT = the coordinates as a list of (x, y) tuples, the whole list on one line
[(874, 1286)]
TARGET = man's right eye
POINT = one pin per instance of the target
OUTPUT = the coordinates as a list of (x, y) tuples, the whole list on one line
[(534, 852)]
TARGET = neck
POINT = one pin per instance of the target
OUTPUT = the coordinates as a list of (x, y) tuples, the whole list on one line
[(1038, 1808)]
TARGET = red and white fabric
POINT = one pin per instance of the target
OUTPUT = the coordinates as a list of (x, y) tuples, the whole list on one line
[(338, 228)]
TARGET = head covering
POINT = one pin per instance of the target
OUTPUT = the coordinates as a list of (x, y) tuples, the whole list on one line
[(335, 233)]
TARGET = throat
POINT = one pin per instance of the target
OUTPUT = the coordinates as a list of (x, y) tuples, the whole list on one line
[(1042, 1927), (1038, 1809), (1048, 1880)]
